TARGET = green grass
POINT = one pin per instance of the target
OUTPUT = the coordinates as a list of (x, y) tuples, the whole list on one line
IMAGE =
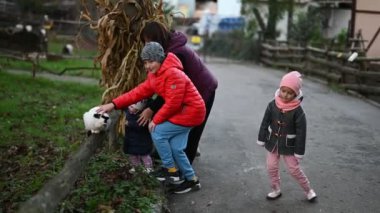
[(28, 103), (42, 124), (55, 46), (57, 66), (107, 185)]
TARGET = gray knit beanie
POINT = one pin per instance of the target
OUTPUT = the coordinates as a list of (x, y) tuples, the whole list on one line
[(153, 51)]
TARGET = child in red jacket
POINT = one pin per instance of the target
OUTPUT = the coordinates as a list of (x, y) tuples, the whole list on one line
[(183, 109)]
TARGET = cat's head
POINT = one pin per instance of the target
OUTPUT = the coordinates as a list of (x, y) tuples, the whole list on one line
[(96, 122)]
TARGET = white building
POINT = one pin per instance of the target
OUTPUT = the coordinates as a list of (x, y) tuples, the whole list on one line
[(366, 21), (338, 17)]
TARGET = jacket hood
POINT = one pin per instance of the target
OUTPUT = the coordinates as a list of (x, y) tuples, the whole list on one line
[(171, 61), (177, 39)]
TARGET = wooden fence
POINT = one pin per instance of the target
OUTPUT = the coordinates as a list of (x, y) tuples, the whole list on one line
[(362, 75), (32, 58), (35, 58)]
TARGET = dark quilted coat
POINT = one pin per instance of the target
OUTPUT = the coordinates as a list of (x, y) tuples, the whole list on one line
[(137, 140), (286, 131)]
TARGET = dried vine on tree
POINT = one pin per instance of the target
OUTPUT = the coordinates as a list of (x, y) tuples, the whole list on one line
[(119, 44)]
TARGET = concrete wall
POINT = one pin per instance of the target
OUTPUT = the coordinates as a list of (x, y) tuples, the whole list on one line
[(338, 21)]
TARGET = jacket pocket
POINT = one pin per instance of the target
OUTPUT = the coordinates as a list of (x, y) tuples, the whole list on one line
[(290, 140)]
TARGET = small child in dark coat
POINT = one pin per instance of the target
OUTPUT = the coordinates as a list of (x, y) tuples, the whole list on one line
[(283, 133), (138, 143)]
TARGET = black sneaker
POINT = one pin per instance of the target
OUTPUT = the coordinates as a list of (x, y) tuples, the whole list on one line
[(164, 175), (175, 180), (160, 174), (187, 186)]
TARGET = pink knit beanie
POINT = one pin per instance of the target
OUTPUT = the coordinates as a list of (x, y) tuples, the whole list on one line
[(292, 80)]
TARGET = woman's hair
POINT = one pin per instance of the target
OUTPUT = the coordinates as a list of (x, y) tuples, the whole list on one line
[(155, 31)]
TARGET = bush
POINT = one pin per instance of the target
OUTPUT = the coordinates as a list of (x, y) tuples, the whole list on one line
[(232, 45)]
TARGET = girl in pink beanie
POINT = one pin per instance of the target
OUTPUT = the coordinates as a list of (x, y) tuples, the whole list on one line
[(283, 133)]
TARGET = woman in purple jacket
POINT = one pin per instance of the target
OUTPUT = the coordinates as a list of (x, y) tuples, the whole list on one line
[(202, 78)]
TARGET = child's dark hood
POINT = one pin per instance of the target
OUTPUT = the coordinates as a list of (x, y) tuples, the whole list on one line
[(177, 39)]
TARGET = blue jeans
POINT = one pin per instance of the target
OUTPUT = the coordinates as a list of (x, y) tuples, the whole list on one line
[(170, 141)]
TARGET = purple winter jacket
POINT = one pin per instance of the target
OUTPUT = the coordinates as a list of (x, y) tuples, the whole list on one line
[(202, 78)]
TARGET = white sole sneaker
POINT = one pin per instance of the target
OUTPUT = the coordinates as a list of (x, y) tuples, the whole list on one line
[(176, 181), (311, 195), (192, 187), (273, 195)]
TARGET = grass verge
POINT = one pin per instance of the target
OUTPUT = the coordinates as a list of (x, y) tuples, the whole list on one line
[(42, 124), (107, 186), (82, 63)]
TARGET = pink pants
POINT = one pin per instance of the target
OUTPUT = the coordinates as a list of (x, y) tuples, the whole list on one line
[(292, 163), (136, 160)]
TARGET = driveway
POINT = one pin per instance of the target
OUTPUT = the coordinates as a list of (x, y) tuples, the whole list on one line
[(342, 153)]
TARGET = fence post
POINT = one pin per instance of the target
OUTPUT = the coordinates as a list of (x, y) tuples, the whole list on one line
[(113, 133), (259, 48), (306, 60)]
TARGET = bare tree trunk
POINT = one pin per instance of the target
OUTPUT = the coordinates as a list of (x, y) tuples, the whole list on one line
[(290, 16), (259, 19)]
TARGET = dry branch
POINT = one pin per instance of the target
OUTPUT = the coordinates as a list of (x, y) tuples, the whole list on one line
[(119, 43)]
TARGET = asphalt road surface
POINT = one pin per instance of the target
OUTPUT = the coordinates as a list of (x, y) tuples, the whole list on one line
[(342, 151)]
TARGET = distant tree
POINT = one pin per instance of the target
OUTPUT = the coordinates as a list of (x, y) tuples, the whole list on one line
[(252, 24), (290, 10), (276, 9), (307, 28), (341, 39)]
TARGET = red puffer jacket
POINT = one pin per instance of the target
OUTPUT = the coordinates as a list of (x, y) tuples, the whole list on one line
[(183, 104)]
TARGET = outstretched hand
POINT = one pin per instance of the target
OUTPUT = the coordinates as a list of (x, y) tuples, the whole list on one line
[(145, 117), (105, 108)]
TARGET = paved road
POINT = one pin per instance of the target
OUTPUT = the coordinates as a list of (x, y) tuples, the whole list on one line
[(342, 153)]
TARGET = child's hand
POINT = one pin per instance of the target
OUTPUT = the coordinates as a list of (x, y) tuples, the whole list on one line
[(152, 126), (132, 110), (145, 117), (105, 108)]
